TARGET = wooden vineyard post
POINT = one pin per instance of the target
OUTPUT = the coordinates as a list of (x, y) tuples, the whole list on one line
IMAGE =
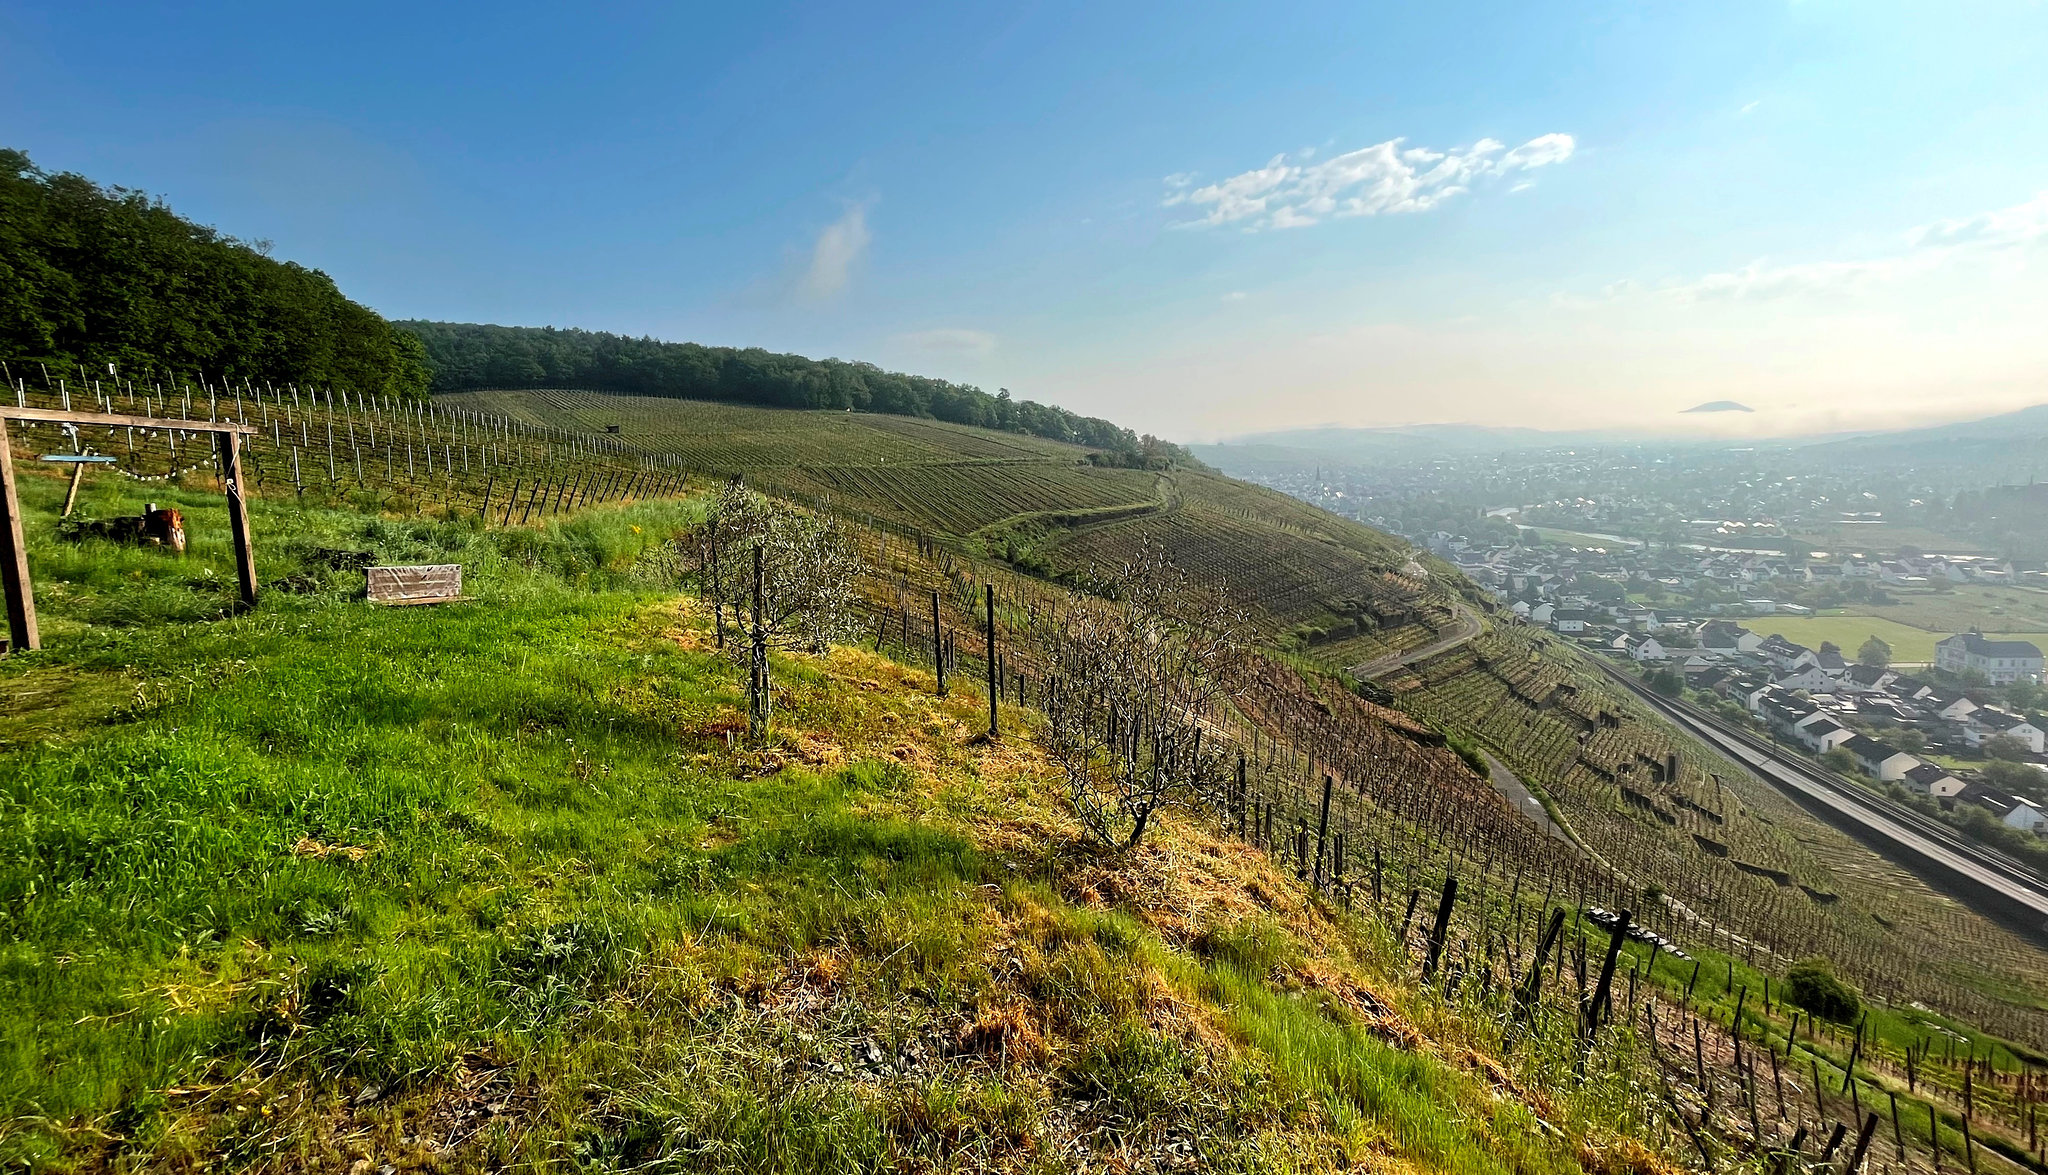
[(994, 731), (1442, 928), (1532, 987), (757, 691), (238, 514), (1322, 829), (1863, 1135), (1601, 992), (938, 645), (1898, 1137), (21, 598)]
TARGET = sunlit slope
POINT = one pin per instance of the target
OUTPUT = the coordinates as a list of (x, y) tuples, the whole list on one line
[(1330, 587)]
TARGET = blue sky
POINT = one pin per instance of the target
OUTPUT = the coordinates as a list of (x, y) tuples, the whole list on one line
[(1196, 219)]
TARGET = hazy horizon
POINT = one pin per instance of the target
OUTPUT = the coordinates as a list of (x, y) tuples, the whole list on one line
[(1197, 222)]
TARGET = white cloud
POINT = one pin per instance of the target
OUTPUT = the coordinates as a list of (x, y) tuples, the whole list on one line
[(1750, 107), (958, 341), (1234, 296), (1925, 248), (839, 247), (1292, 192), (2005, 228)]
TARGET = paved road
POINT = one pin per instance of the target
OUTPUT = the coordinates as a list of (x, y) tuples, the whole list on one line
[(1468, 627), (1995, 884), (1509, 784)]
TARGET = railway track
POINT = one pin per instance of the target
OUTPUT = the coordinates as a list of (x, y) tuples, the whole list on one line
[(1995, 884)]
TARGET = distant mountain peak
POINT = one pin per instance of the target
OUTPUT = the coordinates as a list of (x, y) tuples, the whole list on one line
[(1720, 406)]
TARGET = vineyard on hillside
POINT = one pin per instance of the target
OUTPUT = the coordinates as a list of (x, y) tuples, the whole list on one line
[(1749, 865), (1333, 589), (334, 446)]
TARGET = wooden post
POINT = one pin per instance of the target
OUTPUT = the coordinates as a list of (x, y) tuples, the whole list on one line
[(21, 597), (1532, 986), (1442, 927), (230, 445), (1898, 1138), (938, 645), (1862, 1143), (1322, 825), (71, 494), (1606, 984), (757, 692), (994, 731)]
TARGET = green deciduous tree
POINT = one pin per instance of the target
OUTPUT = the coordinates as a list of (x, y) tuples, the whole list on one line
[(91, 275)]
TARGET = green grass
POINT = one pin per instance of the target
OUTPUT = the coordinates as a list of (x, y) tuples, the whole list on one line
[(1966, 606), (1909, 645), (485, 884)]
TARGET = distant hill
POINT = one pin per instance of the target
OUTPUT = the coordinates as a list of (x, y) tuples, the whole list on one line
[(468, 356), (2024, 424), (1331, 446), (1719, 406)]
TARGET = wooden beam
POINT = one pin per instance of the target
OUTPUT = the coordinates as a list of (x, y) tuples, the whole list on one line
[(120, 420), (238, 514), (14, 583), (71, 494)]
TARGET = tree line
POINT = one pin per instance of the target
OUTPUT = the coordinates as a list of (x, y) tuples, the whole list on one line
[(91, 275), (468, 355)]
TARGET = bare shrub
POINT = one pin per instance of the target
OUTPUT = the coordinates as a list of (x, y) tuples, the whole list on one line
[(788, 576), (1132, 678)]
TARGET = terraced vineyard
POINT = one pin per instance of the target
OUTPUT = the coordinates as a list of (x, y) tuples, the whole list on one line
[(1340, 591), (1757, 872)]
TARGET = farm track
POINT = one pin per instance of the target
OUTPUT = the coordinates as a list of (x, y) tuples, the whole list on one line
[(1468, 628), (2017, 894)]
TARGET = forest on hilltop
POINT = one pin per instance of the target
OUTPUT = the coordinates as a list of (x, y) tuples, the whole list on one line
[(91, 275), (470, 356)]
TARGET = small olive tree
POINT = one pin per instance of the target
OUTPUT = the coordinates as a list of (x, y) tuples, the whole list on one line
[(788, 576), (1131, 681)]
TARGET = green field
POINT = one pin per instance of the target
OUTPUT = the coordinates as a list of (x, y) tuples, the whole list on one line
[(1967, 606), (1909, 645)]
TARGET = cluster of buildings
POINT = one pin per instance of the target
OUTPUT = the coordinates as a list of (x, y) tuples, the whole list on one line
[(1820, 719), (1748, 583), (1815, 698), (1818, 700)]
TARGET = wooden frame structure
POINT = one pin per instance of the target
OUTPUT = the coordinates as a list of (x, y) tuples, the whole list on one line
[(14, 580)]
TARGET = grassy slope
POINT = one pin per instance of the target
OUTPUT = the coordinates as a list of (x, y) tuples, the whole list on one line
[(486, 883), (1033, 502)]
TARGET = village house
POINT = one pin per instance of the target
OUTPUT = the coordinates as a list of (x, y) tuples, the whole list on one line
[(1810, 678), (1727, 638), (1932, 780), (1987, 723), (1881, 761), (1824, 735), (2011, 810), (2001, 662), (1786, 655)]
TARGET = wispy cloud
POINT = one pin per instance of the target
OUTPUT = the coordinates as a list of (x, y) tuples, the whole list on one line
[(956, 341), (839, 248), (1291, 192), (1922, 249)]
